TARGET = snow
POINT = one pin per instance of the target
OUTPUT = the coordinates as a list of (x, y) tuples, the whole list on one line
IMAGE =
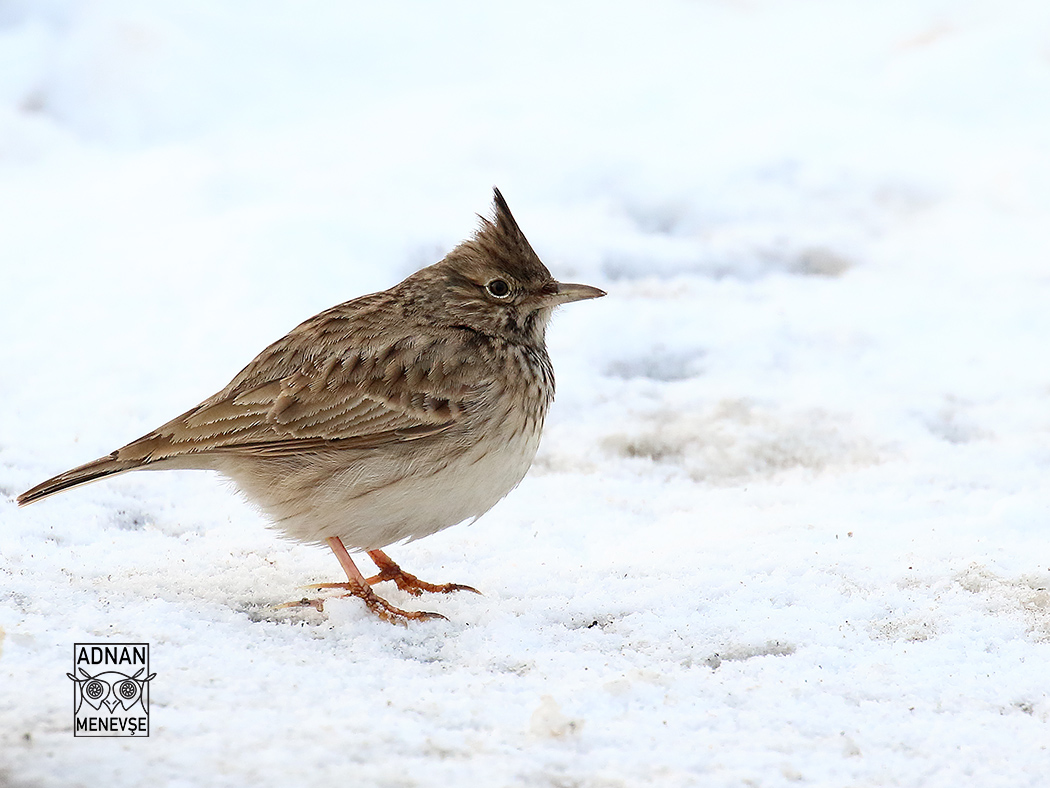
[(788, 521)]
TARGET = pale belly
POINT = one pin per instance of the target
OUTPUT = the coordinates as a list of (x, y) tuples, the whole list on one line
[(370, 501)]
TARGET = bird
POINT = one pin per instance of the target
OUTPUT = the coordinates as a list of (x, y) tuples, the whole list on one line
[(383, 419)]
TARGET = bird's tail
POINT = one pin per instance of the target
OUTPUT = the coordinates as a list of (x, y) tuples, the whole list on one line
[(82, 474)]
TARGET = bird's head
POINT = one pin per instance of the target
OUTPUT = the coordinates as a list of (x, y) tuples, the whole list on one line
[(496, 284)]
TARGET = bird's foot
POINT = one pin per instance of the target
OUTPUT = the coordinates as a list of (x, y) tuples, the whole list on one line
[(388, 570), (361, 587), (379, 606)]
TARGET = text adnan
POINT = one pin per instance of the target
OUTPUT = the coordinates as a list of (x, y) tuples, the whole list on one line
[(111, 655)]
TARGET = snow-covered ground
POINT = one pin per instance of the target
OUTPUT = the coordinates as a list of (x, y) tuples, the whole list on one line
[(789, 521)]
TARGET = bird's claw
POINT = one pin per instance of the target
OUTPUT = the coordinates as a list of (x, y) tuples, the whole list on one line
[(379, 606)]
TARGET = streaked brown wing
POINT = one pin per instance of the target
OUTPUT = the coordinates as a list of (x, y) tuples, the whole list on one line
[(323, 387)]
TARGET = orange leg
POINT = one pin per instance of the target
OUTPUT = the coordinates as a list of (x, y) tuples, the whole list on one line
[(358, 586), (388, 570)]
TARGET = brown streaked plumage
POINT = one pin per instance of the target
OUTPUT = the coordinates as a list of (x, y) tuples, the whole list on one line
[(385, 418)]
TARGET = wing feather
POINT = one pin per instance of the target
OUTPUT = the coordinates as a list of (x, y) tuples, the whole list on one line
[(326, 385)]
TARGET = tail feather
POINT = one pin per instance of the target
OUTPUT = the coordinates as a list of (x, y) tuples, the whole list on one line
[(89, 472)]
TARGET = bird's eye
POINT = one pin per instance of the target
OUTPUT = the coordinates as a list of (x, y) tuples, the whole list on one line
[(498, 288)]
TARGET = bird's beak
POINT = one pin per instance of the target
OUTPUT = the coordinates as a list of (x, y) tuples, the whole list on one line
[(567, 293)]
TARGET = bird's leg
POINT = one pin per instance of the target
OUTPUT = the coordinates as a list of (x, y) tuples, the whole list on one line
[(388, 570), (358, 586)]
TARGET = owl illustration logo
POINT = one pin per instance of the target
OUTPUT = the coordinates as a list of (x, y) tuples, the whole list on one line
[(111, 688)]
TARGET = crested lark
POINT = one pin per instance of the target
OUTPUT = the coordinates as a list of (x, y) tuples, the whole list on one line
[(385, 418)]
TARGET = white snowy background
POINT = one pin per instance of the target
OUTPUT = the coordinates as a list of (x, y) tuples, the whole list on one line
[(789, 521)]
